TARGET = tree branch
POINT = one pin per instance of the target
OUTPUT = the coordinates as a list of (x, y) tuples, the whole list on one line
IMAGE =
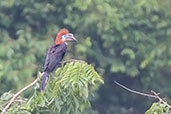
[(30, 85), (133, 91), (4, 111), (153, 95)]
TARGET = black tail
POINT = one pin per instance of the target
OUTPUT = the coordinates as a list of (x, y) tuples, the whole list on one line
[(44, 79)]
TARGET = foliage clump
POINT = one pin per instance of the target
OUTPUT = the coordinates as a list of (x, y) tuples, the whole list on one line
[(158, 108), (67, 91)]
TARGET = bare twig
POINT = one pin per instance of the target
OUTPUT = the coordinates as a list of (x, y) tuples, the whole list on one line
[(4, 111), (153, 95), (133, 91)]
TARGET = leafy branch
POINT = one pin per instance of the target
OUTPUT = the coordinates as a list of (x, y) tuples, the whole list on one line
[(71, 82)]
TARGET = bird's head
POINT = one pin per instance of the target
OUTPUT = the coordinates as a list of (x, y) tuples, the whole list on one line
[(64, 36)]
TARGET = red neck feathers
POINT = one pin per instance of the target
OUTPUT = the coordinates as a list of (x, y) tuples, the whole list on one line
[(59, 36)]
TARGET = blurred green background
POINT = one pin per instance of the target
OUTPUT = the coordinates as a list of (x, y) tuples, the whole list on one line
[(126, 40)]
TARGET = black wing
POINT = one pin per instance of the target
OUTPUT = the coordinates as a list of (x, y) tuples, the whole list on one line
[(54, 56)]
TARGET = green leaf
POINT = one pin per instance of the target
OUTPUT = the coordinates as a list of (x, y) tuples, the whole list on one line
[(128, 52)]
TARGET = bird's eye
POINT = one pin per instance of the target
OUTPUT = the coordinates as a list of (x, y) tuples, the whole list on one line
[(63, 36)]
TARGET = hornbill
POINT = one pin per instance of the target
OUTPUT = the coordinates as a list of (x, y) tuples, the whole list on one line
[(56, 53)]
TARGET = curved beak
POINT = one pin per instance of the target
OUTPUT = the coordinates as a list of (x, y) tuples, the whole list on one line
[(70, 38)]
